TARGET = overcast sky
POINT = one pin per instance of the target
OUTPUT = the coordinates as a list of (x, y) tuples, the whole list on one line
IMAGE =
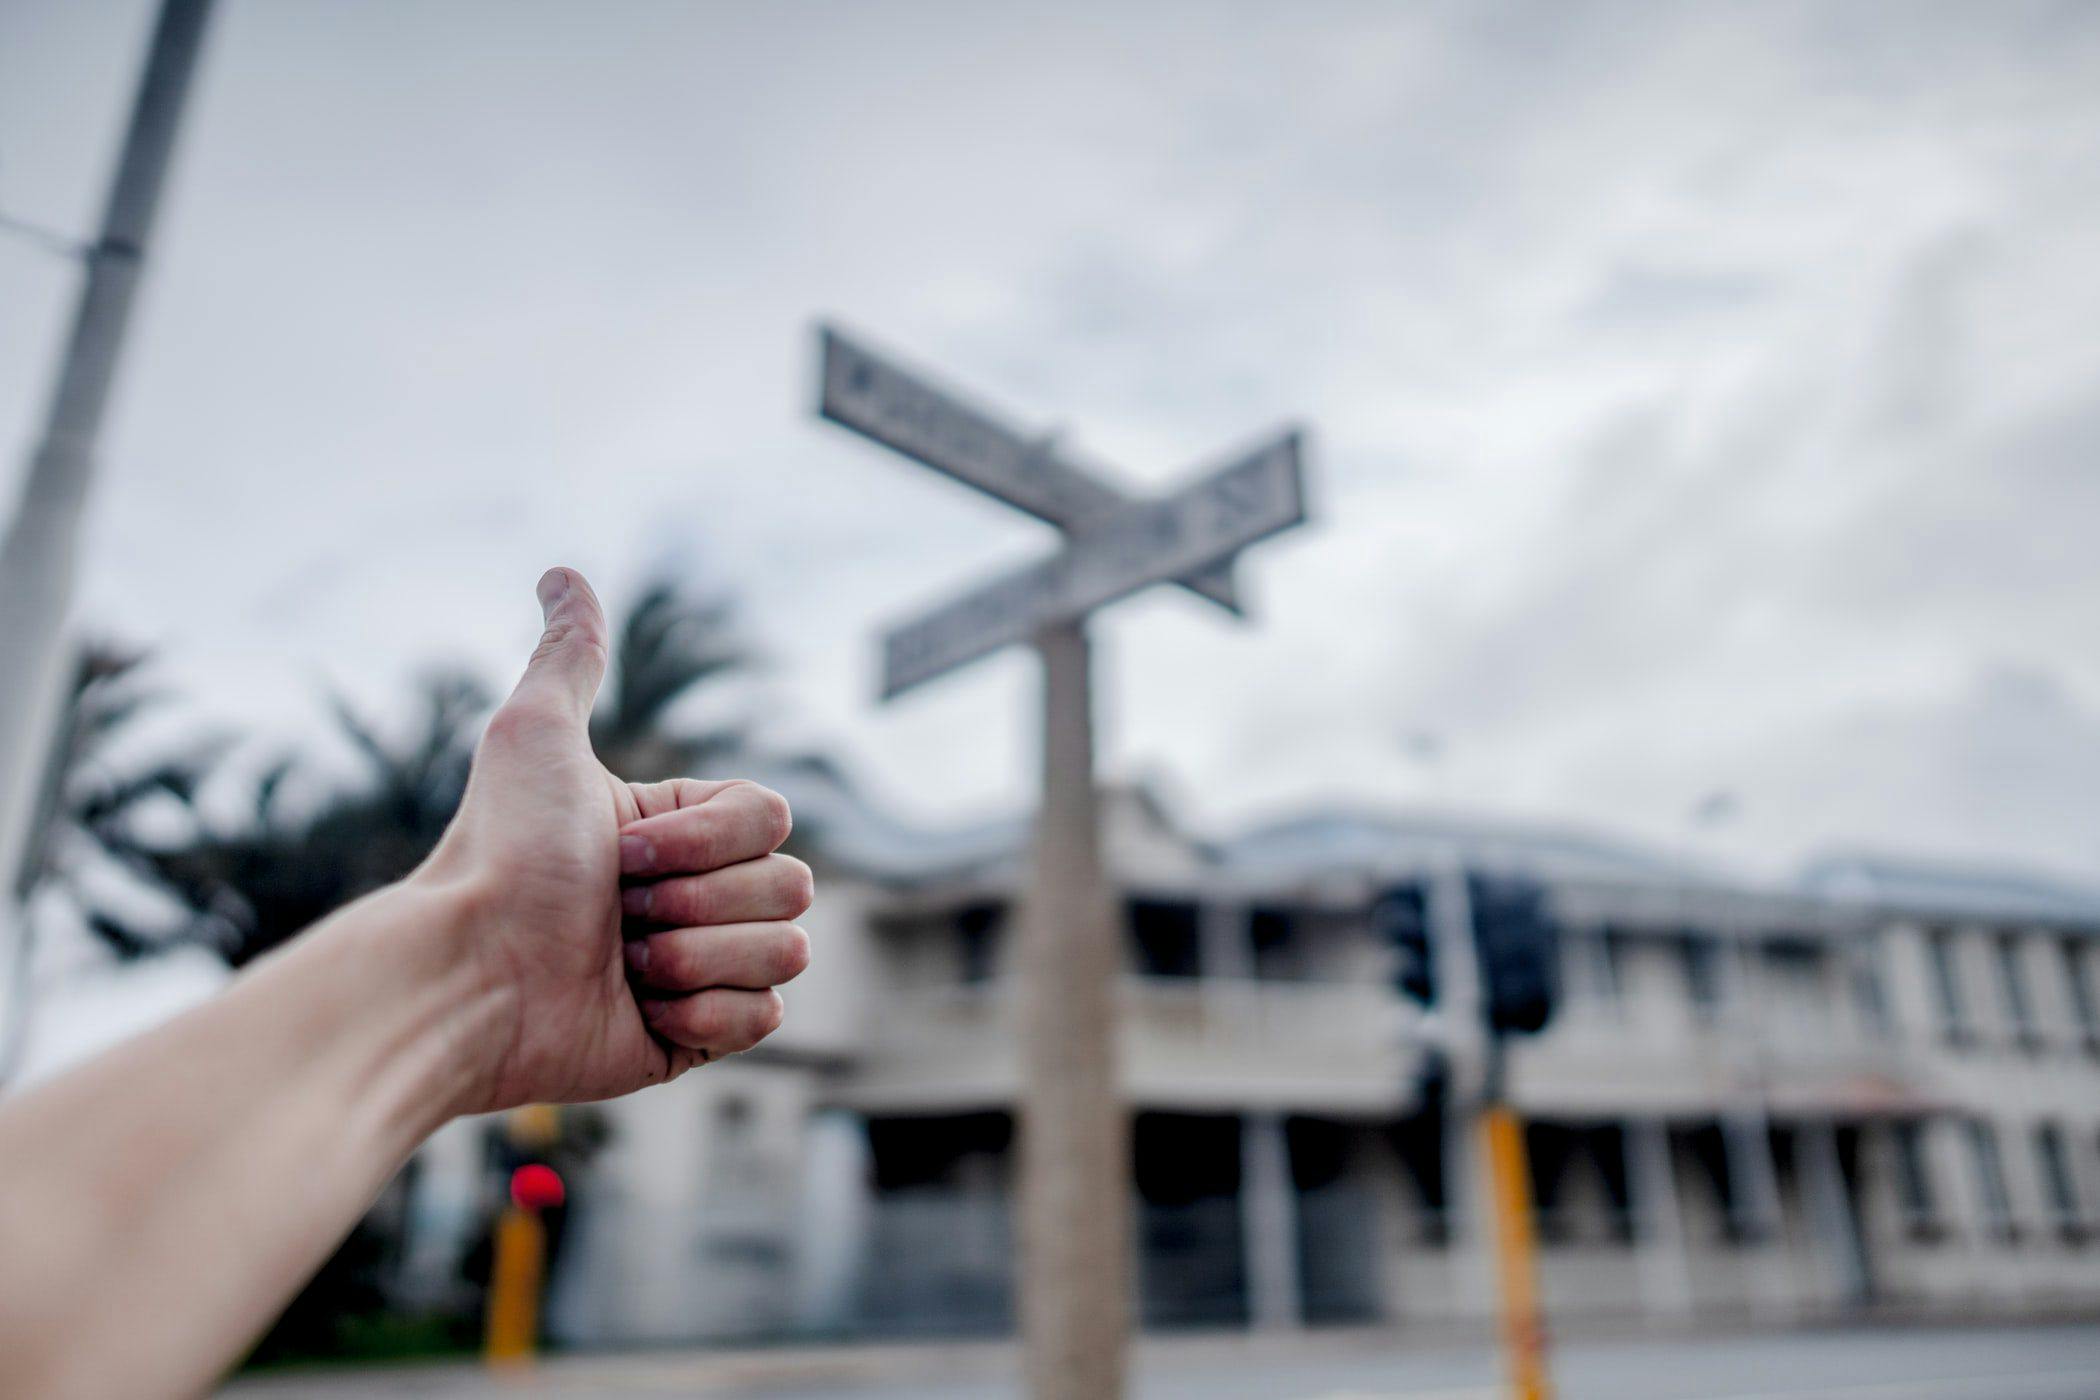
[(1705, 398)]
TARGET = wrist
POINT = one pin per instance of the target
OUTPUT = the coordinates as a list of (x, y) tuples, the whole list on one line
[(424, 1025)]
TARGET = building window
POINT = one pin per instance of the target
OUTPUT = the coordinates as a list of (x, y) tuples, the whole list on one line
[(1418, 1141), (1550, 1150), (2012, 987), (1946, 984), (1590, 968), (2084, 1008), (1869, 991), (977, 931), (1796, 985), (2059, 1188), (1165, 939), (1611, 949), (1702, 974), (1740, 1220), (1279, 948), (1914, 1195), (1990, 1180)]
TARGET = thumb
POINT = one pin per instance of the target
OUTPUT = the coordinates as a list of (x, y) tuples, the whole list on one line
[(569, 662)]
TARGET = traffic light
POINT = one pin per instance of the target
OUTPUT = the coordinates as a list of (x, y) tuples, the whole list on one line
[(1519, 966), (536, 1186), (1401, 917), (518, 1268)]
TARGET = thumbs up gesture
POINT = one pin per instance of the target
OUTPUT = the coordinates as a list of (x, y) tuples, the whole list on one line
[(620, 933)]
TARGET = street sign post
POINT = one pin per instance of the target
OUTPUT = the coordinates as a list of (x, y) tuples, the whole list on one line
[(1074, 1134)]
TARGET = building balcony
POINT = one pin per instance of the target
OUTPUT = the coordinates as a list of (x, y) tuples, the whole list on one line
[(1191, 1045), (1590, 1063)]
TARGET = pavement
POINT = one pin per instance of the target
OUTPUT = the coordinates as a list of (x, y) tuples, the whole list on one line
[(2058, 1362)]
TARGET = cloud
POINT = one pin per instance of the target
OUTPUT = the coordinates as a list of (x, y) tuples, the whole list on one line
[(1686, 384)]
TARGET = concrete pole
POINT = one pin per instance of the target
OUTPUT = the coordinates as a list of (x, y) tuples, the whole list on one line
[(1269, 1224), (37, 555), (1746, 1129), (1822, 1176), (1074, 1133), (1658, 1219), (1754, 1172)]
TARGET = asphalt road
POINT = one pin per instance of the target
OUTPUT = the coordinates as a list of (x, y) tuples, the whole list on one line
[(1971, 1363)]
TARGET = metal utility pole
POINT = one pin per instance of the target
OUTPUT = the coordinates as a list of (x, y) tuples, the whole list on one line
[(37, 556), (37, 553), (1075, 1237)]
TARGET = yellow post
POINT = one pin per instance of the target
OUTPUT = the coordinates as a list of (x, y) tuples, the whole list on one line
[(514, 1288), (517, 1273), (1516, 1255)]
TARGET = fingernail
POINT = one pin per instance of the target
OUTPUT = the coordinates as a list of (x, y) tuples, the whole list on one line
[(553, 587), (637, 856), (636, 899), (637, 953)]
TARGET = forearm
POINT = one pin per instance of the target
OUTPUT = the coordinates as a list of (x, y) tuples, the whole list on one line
[(229, 1150)]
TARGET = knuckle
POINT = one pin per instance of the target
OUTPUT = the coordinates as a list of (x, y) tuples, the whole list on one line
[(798, 886), (792, 955), (672, 959), (746, 1018), (517, 720), (509, 722), (675, 902), (551, 641), (566, 632), (709, 1023)]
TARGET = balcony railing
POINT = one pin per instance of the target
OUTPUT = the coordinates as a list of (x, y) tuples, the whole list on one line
[(1216, 1044), (1188, 1043)]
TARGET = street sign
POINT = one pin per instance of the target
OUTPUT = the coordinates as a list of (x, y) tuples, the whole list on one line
[(1073, 1147), (1146, 543), (906, 412)]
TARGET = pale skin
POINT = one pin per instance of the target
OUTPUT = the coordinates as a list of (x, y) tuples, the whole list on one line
[(573, 937)]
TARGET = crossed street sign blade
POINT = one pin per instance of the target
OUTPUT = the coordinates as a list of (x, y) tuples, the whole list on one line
[(1203, 524), (907, 413)]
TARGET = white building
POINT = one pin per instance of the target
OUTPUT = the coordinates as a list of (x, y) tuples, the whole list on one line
[(1878, 1092)]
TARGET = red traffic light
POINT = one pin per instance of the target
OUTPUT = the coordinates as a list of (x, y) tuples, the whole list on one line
[(536, 1186)]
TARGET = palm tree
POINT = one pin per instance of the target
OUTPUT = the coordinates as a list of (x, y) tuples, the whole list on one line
[(92, 802), (276, 874), (91, 822), (669, 645), (244, 887)]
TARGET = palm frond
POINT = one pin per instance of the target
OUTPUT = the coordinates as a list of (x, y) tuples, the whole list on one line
[(668, 645)]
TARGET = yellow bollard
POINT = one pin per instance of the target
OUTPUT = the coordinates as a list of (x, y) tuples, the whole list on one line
[(1516, 1255), (514, 1288)]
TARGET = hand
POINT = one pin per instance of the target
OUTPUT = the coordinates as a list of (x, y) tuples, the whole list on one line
[(628, 931)]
